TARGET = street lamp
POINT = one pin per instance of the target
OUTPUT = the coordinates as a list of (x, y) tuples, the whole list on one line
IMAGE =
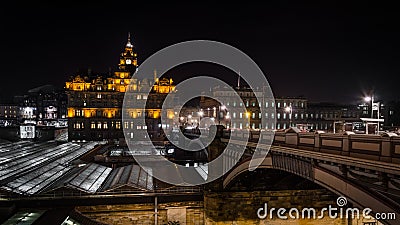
[(220, 115), (289, 109), (370, 99), (373, 105), (248, 117)]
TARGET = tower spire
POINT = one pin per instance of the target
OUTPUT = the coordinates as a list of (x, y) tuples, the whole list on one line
[(129, 44)]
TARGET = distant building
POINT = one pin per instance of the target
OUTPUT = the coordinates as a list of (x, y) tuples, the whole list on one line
[(95, 103), (43, 106), (392, 114), (287, 111), (9, 114), (230, 113), (334, 117)]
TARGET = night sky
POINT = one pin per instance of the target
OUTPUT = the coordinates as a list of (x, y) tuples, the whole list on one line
[(331, 52)]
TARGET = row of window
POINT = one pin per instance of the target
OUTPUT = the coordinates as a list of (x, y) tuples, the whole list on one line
[(317, 126), (284, 116), (253, 103), (107, 125)]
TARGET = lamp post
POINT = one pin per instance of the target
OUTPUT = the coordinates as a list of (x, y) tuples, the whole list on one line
[(248, 119), (289, 109), (370, 99), (220, 115), (374, 104)]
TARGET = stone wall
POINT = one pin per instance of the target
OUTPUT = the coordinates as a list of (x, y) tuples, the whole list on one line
[(187, 213), (223, 208)]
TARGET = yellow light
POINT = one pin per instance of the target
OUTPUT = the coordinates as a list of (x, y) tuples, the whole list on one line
[(156, 114), (71, 112), (87, 113)]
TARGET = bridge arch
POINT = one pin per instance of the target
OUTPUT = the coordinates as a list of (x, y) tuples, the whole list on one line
[(360, 197)]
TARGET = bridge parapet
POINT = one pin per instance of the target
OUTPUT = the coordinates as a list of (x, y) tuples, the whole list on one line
[(373, 147)]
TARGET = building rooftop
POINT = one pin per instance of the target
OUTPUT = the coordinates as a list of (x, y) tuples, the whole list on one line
[(29, 168)]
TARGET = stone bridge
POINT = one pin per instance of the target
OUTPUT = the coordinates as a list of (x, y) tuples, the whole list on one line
[(363, 168)]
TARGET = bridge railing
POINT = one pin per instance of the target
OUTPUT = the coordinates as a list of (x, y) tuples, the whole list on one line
[(374, 147)]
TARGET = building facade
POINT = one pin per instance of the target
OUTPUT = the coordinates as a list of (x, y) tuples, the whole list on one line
[(281, 112), (9, 114), (278, 113), (95, 103)]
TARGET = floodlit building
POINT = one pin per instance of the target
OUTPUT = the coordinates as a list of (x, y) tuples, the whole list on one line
[(95, 103)]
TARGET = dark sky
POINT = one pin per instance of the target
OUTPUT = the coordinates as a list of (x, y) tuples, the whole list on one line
[(326, 51)]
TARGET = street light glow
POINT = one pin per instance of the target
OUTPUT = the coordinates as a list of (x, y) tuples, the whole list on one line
[(367, 99), (223, 107), (288, 109)]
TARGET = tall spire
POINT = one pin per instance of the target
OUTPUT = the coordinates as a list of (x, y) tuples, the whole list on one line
[(129, 44)]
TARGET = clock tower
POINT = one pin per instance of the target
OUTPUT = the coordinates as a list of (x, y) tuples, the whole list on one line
[(128, 58)]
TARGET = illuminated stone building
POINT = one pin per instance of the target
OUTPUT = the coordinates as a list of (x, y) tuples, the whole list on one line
[(279, 113), (95, 103)]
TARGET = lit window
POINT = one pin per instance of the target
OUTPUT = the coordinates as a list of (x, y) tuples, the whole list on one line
[(139, 97), (98, 96), (118, 125), (126, 124), (278, 105), (278, 115), (240, 126), (284, 116), (272, 104), (138, 127), (247, 103), (266, 115), (272, 116), (144, 127), (296, 116), (92, 125), (105, 125), (144, 96), (253, 115), (234, 114), (259, 115), (99, 125), (253, 104), (284, 104), (131, 125), (240, 115)]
